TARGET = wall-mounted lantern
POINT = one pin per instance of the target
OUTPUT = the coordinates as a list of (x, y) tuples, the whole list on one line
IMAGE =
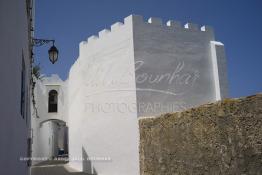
[(52, 52)]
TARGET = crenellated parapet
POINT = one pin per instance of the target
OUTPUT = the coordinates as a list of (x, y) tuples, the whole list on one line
[(153, 21), (103, 33), (172, 24)]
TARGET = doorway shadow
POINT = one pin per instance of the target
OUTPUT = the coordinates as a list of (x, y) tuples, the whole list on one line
[(57, 170), (53, 168), (87, 164)]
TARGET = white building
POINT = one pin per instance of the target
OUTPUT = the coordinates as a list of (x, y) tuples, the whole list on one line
[(135, 69), (49, 121), (15, 73)]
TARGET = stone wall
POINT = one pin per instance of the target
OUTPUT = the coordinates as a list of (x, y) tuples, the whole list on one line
[(218, 138)]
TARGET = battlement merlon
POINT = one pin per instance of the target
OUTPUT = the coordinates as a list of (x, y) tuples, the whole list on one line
[(103, 32), (155, 21), (174, 24), (191, 26)]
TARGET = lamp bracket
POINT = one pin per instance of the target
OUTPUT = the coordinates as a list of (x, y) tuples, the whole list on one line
[(39, 42)]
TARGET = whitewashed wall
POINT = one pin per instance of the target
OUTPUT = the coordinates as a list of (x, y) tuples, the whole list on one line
[(137, 63), (176, 66), (13, 127), (102, 76)]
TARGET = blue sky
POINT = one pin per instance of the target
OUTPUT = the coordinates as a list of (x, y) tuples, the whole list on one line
[(237, 24)]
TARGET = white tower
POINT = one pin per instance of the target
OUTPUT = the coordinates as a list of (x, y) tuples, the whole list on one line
[(137, 69)]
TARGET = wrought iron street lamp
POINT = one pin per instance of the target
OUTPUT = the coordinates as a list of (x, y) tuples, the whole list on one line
[(52, 52)]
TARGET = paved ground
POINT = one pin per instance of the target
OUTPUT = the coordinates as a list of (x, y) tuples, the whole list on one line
[(53, 168)]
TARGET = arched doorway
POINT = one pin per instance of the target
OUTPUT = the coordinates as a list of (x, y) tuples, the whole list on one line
[(54, 136)]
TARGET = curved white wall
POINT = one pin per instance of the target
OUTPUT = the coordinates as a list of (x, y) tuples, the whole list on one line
[(102, 76)]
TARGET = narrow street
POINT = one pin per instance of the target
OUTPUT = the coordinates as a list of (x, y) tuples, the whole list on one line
[(54, 168)]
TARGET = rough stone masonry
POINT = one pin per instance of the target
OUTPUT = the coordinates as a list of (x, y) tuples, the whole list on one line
[(218, 138)]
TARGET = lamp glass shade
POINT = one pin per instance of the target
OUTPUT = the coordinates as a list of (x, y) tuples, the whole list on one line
[(53, 54)]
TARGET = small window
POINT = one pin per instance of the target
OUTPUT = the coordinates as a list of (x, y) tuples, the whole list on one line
[(52, 101), (23, 88)]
